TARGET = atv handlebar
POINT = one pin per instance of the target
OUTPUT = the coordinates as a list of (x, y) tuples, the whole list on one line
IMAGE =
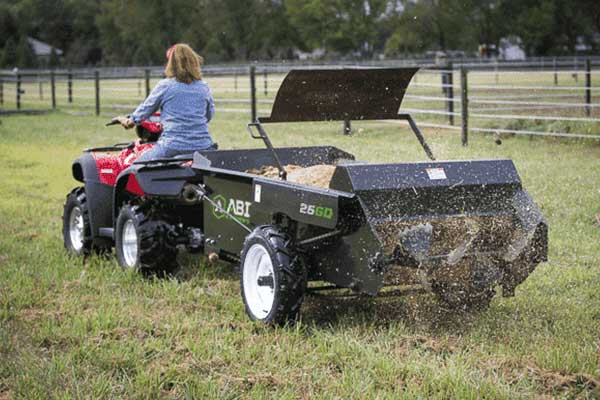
[(113, 121), (117, 121)]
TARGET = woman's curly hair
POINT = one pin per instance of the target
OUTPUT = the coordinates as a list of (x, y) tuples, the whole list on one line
[(183, 64)]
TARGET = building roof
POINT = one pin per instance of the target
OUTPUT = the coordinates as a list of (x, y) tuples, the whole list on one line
[(42, 49)]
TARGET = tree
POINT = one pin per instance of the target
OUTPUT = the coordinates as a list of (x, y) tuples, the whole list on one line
[(235, 25), (54, 60), (51, 21), (342, 26), (25, 58), (139, 32), (9, 28), (9, 58), (119, 32)]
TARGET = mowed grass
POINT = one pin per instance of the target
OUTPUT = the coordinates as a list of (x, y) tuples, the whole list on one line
[(75, 330)]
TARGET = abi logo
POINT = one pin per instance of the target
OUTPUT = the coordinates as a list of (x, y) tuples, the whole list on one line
[(239, 208)]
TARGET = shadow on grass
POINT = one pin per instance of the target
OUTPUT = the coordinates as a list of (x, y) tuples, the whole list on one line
[(408, 306), (420, 311), (192, 266)]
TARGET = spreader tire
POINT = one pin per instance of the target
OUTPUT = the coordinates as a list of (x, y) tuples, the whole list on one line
[(272, 277), (142, 242), (77, 232)]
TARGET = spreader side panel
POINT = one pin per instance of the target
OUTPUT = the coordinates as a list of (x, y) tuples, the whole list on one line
[(235, 197), (447, 174), (310, 205)]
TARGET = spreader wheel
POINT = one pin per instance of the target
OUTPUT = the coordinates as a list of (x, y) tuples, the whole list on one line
[(77, 232), (142, 242), (273, 277)]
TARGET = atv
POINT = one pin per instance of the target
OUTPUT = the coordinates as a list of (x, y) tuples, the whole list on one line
[(461, 227)]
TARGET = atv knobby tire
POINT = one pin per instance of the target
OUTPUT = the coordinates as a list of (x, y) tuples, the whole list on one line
[(81, 242), (155, 253), (286, 279)]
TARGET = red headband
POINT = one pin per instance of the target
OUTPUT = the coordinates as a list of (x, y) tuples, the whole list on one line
[(170, 51)]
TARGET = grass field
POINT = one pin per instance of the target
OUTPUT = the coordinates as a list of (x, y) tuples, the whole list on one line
[(69, 330)]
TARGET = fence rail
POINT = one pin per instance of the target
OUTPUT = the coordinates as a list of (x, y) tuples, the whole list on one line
[(539, 98)]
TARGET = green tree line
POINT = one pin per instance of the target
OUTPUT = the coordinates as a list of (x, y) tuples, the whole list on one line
[(137, 32)]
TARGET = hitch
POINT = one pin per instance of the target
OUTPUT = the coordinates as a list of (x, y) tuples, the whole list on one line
[(199, 192)]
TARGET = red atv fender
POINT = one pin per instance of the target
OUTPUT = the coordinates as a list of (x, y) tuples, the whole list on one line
[(99, 171), (109, 166)]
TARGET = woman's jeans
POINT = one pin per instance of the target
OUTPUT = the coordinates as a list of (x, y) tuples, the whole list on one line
[(159, 150)]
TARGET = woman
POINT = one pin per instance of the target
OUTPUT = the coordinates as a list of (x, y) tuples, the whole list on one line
[(185, 103)]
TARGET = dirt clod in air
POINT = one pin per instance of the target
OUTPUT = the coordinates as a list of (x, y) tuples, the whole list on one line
[(316, 175)]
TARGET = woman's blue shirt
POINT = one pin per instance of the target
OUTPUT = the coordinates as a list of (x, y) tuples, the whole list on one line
[(185, 110)]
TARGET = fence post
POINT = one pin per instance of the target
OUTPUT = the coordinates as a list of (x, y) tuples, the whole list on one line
[(18, 91), (464, 137), (235, 79), (53, 88), (70, 86), (555, 72), (97, 87), (253, 93), (147, 78), (450, 93), (346, 127), (1, 91), (588, 86)]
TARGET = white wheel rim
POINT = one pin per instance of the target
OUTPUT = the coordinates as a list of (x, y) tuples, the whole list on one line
[(259, 295), (76, 228), (129, 245)]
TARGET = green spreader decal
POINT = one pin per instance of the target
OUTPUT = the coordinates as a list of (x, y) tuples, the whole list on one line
[(316, 211), (240, 209)]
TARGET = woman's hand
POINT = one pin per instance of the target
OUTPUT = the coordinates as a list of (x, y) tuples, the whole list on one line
[(125, 122)]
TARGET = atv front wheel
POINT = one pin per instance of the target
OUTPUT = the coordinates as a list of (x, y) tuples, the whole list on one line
[(77, 232), (142, 242), (272, 277)]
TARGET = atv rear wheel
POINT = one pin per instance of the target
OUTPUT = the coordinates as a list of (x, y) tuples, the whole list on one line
[(142, 242), (272, 277), (77, 231)]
